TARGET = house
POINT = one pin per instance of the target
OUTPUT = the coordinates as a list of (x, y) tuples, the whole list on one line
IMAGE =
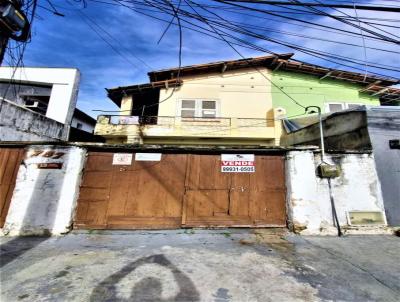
[(38, 104), (366, 128), (239, 102)]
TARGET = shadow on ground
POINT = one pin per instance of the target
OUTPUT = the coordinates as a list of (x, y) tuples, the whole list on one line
[(149, 288), (17, 246)]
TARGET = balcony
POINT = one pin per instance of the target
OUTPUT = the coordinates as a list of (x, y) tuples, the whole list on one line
[(150, 129)]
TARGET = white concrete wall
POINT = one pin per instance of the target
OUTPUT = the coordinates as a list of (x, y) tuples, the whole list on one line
[(308, 201), (44, 200), (21, 124), (64, 93)]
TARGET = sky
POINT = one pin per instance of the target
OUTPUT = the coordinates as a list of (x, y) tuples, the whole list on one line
[(132, 47)]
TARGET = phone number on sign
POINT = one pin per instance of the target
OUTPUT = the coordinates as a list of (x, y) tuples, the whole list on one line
[(246, 169)]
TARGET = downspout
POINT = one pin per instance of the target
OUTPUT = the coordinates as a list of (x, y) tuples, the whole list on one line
[(321, 133)]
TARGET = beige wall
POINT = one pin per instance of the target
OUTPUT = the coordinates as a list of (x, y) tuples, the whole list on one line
[(244, 93)]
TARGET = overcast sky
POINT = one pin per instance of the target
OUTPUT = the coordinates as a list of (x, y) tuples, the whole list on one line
[(70, 42)]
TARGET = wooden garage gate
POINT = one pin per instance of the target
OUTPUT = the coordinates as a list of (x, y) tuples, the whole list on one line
[(10, 160), (186, 190)]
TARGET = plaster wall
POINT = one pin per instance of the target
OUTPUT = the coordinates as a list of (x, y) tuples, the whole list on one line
[(241, 93), (44, 200), (309, 90), (308, 200), (64, 92)]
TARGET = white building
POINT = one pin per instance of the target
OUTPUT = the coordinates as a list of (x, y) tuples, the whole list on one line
[(27, 94)]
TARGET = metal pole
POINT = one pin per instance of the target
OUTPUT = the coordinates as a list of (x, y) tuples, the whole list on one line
[(321, 130), (3, 46)]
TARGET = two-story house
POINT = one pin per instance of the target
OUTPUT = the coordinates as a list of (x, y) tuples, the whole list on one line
[(239, 102)]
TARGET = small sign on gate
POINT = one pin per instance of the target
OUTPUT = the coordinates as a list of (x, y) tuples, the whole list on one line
[(237, 163), (122, 159), (148, 156)]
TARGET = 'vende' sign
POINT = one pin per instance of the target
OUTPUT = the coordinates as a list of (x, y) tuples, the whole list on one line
[(237, 163)]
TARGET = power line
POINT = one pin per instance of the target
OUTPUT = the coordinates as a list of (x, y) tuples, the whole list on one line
[(360, 7)]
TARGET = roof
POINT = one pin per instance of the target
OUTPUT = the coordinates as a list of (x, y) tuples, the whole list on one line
[(220, 66), (375, 85), (115, 94), (275, 62), (386, 94)]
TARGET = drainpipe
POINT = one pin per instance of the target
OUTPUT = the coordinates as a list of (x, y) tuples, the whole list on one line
[(321, 130), (326, 169)]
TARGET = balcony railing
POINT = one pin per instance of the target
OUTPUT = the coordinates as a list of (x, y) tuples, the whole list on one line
[(164, 126), (182, 121)]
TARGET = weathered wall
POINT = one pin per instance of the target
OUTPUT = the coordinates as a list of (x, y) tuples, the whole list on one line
[(344, 130), (44, 199), (384, 125), (21, 124), (309, 90), (309, 206)]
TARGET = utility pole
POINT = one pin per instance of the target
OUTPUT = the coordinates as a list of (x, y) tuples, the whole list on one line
[(313, 4), (3, 46), (13, 24)]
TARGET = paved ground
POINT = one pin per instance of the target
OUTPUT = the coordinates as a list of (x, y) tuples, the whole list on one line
[(200, 265)]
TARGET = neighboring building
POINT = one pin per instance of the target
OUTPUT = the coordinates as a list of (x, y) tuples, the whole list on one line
[(83, 121), (82, 127), (376, 128), (37, 104), (236, 102), (331, 89)]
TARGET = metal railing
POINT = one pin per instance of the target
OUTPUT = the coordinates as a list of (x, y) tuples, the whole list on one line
[(171, 121)]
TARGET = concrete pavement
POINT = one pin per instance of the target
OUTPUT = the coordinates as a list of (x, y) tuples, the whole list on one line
[(200, 265)]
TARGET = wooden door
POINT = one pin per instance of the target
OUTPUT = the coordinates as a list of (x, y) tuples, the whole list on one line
[(10, 160), (148, 195), (181, 189), (142, 195), (234, 199), (94, 192)]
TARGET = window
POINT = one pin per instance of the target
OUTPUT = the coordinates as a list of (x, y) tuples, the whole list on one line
[(37, 103), (209, 109), (79, 125), (335, 107), (188, 108), (198, 108)]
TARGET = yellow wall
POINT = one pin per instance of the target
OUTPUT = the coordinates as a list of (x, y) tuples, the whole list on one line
[(244, 93)]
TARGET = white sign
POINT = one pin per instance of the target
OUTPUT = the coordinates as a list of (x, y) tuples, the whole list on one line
[(122, 159), (148, 156), (129, 120), (237, 163)]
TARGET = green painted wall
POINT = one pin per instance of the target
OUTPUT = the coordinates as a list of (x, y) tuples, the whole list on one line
[(309, 90)]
